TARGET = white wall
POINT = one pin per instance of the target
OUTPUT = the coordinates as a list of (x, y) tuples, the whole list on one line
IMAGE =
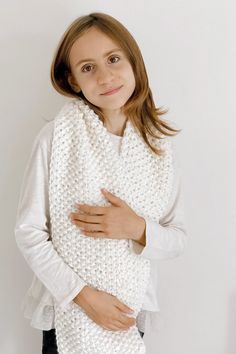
[(189, 50)]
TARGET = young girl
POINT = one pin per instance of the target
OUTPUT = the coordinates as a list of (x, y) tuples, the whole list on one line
[(101, 199)]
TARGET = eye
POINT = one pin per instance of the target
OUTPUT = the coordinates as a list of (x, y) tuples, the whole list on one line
[(85, 67), (114, 57)]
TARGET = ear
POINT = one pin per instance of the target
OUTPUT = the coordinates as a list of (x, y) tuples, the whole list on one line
[(75, 87)]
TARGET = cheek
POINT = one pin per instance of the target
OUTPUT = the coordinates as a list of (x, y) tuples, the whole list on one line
[(130, 78), (129, 75), (85, 83)]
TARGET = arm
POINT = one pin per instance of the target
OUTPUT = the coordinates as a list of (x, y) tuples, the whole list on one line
[(168, 237), (32, 226)]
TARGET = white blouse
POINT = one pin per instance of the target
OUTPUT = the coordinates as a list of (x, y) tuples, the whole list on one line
[(52, 276)]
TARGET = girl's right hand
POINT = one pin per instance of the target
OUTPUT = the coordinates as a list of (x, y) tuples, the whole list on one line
[(105, 309)]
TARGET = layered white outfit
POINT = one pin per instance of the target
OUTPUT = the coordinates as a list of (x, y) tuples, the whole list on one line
[(55, 281)]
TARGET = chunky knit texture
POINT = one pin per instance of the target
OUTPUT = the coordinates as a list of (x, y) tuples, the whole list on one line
[(83, 161)]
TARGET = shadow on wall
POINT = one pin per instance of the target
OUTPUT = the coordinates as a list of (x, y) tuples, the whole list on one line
[(230, 339)]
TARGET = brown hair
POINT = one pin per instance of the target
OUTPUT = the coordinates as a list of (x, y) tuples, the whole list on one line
[(140, 107)]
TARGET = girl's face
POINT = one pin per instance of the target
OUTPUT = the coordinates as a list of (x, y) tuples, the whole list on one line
[(99, 66)]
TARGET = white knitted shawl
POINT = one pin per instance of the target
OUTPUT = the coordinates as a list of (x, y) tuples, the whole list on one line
[(83, 161)]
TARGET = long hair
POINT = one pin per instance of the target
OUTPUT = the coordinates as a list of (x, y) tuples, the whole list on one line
[(140, 107)]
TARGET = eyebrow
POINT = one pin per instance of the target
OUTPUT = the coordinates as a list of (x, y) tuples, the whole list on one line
[(90, 59)]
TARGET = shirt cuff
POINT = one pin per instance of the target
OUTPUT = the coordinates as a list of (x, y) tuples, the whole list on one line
[(64, 304), (139, 249), (161, 242)]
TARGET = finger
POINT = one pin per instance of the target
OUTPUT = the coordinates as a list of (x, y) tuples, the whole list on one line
[(112, 327), (123, 307), (126, 321), (90, 209), (125, 317), (88, 227), (121, 325), (95, 234), (112, 198), (87, 218)]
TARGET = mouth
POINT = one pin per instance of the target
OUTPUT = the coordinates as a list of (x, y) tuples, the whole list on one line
[(112, 91)]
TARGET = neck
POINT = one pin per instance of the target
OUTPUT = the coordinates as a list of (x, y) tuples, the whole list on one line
[(115, 122)]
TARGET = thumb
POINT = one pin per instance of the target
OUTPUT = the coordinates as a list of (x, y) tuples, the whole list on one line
[(111, 197)]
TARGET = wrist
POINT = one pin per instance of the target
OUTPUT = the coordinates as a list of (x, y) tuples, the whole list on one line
[(83, 294), (140, 236)]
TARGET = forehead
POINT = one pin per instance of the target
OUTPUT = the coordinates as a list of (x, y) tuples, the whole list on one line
[(92, 44)]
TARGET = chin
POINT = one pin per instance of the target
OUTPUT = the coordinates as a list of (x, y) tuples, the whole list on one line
[(116, 104)]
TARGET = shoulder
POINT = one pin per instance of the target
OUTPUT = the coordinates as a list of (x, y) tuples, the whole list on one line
[(177, 168), (44, 137), (168, 144), (175, 154)]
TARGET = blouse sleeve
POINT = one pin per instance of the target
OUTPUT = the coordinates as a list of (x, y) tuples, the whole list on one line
[(168, 237), (32, 226)]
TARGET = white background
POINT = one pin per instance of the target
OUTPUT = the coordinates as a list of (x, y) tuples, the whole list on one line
[(189, 51)]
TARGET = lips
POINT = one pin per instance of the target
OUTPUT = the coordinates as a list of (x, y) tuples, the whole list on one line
[(111, 91)]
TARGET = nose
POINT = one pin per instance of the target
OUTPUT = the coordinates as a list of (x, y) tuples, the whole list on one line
[(104, 75)]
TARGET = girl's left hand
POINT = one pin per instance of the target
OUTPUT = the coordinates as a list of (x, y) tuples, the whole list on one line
[(117, 221)]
